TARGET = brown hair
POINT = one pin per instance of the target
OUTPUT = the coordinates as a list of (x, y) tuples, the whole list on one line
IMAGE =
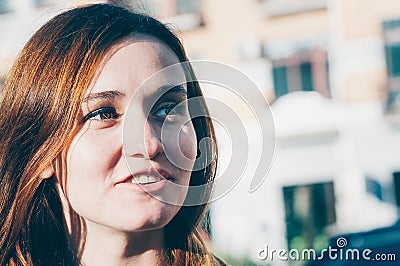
[(38, 113)]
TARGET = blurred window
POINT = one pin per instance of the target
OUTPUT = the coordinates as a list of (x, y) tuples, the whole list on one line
[(4, 6), (309, 210), (374, 187), (280, 81), (187, 7), (396, 179), (306, 76), (391, 35), (303, 71), (187, 15), (393, 59)]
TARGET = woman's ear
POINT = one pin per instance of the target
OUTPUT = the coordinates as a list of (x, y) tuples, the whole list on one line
[(47, 173)]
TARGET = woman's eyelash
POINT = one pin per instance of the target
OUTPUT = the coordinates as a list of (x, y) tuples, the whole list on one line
[(164, 110), (105, 113), (171, 108)]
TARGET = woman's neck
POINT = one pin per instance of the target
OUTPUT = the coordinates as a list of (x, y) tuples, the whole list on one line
[(104, 246)]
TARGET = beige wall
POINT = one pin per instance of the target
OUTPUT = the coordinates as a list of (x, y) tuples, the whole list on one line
[(363, 18), (366, 86), (295, 26), (227, 23)]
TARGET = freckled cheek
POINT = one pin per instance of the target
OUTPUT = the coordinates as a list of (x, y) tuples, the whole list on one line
[(92, 153)]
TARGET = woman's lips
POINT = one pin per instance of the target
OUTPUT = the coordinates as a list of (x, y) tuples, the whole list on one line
[(148, 180)]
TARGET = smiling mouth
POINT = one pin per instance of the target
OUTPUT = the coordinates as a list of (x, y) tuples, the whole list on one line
[(144, 179)]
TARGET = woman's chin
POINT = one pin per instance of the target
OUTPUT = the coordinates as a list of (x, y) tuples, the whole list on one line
[(144, 219)]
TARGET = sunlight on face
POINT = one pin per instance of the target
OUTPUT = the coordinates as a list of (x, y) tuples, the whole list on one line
[(100, 186)]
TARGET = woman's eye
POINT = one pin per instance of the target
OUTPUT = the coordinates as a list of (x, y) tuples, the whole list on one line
[(168, 109), (105, 113), (165, 110)]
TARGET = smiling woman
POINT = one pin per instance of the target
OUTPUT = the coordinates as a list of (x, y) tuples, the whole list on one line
[(73, 189)]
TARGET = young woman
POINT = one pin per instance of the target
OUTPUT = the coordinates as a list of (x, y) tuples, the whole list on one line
[(73, 191)]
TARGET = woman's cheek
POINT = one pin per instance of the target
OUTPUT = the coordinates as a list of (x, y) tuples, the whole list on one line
[(101, 146), (91, 159), (92, 155), (188, 142)]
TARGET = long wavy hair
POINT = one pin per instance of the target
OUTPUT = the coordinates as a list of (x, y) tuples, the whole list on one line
[(39, 107)]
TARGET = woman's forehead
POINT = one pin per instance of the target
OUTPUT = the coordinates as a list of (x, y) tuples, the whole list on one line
[(139, 62)]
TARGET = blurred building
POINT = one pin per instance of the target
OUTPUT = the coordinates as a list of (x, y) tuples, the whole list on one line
[(330, 70)]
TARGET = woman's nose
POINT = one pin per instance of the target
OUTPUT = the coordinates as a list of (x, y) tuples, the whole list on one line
[(152, 144), (143, 143)]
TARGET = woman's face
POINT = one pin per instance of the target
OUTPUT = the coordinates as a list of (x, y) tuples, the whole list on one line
[(99, 184)]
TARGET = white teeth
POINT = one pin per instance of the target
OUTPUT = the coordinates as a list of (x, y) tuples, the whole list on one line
[(145, 179), (152, 179)]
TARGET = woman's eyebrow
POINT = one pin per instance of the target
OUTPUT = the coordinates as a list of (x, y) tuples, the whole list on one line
[(163, 91), (103, 95), (171, 89)]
